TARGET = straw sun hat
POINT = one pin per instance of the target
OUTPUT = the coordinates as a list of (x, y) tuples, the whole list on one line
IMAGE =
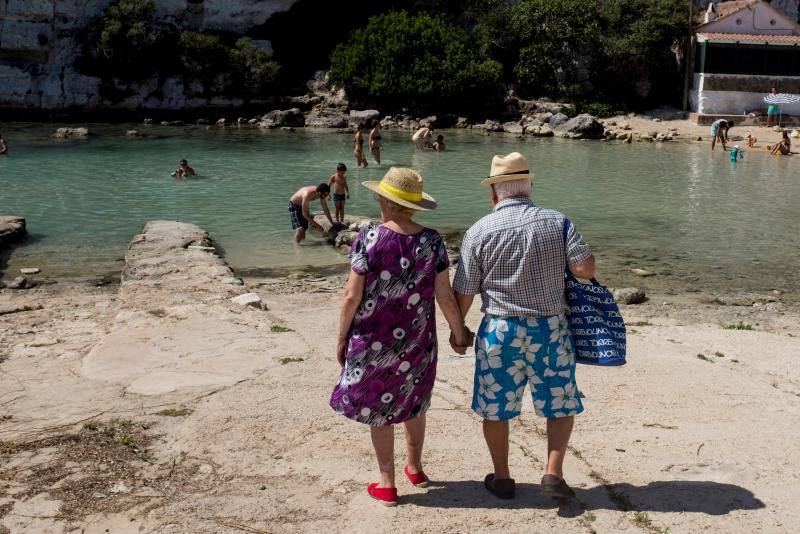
[(507, 168), (403, 186)]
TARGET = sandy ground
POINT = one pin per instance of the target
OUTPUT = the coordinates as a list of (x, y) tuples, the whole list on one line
[(684, 130), (671, 441)]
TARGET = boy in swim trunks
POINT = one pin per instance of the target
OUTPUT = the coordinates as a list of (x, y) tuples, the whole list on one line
[(298, 209), (184, 170), (341, 192)]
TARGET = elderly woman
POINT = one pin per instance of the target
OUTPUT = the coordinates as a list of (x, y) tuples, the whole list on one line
[(387, 334)]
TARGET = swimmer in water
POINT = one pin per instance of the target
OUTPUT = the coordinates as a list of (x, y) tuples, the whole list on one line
[(184, 170), (736, 154), (439, 144), (3, 145), (358, 146)]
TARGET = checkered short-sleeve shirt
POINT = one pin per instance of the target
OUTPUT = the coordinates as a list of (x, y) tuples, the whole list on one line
[(515, 257)]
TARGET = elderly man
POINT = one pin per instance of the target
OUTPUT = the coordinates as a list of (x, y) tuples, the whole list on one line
[(515, 258)]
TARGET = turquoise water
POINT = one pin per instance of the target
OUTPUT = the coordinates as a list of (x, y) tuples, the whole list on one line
[(674, 208)]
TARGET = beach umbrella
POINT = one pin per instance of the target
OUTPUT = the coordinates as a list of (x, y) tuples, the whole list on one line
[(780, 99)]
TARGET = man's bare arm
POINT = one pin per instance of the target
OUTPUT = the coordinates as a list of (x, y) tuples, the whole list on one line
[(327, 211), (585, 269)]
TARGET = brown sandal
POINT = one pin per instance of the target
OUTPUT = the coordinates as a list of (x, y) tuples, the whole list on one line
[(557, 488), (502, 488)]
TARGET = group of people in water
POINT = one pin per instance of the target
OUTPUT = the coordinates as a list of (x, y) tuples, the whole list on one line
[(337, 183), (422, 139)]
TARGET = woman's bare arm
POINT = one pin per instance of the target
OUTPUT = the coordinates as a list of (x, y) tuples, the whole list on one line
[(353, 293)]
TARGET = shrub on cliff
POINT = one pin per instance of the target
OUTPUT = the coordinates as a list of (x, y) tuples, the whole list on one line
[(124, 41), (400, 60), (258, 71)]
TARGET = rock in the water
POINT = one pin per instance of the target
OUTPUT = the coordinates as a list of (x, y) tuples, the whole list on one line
[(628, 295), (280, 118), (326, 118), (641, 272), (249, 299), (148, 121), (584, 126), (19, 282), (542, 131), (64, 133), (462, 122), (221, 122), (364, 117), (557, 120), (492, 126), (513, 127), (30, 270), (133, 133), (12, 229)]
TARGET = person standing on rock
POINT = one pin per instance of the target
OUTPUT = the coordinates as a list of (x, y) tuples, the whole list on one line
[(375, 141), (3, 145), (341, 192), (514, 258), (387, 344), (298, 209), (358, 148)]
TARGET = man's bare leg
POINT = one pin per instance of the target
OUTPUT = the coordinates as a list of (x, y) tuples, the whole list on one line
[(299, 235), (496, 435), (558, 432)]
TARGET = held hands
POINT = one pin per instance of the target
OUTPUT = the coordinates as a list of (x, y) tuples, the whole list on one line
[(463, 341)]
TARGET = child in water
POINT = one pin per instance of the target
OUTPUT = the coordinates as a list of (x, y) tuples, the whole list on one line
[(439, 144), (736, 154), (341, 192), (751, 140), (183, 170)]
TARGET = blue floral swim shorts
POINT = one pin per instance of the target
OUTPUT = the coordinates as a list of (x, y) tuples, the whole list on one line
[(512, 352)]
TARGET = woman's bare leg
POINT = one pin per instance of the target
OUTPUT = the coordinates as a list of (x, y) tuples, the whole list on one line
[(415, 438), (383, 442)]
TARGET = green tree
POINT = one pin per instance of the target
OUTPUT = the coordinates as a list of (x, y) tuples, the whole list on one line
[(557, 42), (418, 60), (257, 69), (639, 39), (125, 42)]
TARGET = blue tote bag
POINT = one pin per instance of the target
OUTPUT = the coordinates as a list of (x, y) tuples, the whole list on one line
[(598, 330)]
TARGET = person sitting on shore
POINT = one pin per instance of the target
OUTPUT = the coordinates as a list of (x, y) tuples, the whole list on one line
[(751, 140), (719, 130), (3, 145), (784, 147), (439, 144), (736, 154), (298, 209), (341, 191), (422, 137), (184, 170), (387, 346)]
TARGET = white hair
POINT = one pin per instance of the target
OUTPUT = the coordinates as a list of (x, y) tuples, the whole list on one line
[(513, 188)]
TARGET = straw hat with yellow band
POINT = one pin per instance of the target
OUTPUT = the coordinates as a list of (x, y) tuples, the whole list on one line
[(507, 168), (403, 186)]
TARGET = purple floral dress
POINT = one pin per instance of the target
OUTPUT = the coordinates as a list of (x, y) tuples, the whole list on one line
[(391, 353)]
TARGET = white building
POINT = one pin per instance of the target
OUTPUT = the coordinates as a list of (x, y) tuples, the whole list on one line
[(743, 50)]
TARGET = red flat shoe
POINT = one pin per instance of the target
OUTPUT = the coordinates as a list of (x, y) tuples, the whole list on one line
[(418, 479), (385, 496)]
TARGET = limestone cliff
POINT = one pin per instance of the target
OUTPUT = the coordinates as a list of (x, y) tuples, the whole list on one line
[(39, 41)]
